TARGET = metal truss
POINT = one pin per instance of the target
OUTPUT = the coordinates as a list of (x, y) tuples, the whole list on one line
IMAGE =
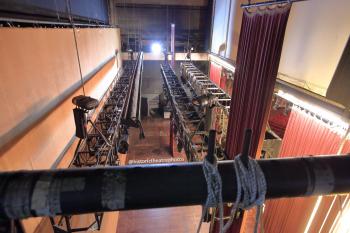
[(100, 145), (217, 101), (63, 224), (200, 84), (186, 117), (198, 105)]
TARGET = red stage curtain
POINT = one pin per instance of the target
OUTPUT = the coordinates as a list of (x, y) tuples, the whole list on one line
[(215, 73), (346, 148), (258, 57), (223, 80), (279, 116), (226, 83), (278, 120), (305, 135)]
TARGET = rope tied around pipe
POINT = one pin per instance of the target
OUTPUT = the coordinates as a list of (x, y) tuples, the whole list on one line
[(251, 190), (214, 187), (251, 180)]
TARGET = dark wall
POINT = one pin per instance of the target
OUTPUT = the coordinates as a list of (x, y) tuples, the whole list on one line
[(141, 25), (339, 88), (56, 10), (152, 81)]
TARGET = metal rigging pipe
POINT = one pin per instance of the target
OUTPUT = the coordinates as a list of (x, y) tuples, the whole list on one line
[(172, 44), (136, 95), (269, 3), (127, 112), (76, 191)]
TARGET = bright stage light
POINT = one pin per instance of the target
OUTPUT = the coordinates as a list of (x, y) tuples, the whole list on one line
[(156, 48)]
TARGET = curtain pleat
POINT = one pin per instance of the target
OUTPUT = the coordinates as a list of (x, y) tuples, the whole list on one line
[(346, 148), (215, 73), (258, 57), (278, 120), (305, 135), (223, 82)]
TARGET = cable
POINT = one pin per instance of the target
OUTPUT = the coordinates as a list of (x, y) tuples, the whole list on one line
[(166, 28), (76, 44), (127, 24), (77, 51), (133, 24), (189, 29), (57, 13)]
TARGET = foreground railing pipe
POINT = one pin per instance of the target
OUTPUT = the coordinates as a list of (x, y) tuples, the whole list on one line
[(76, 191)]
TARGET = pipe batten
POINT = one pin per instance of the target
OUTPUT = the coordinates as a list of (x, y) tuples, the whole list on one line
[(85, 190)]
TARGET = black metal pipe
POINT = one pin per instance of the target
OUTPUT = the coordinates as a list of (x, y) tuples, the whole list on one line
[(128, 108), (211, 146), (269, 3), (77, 191), (136, 92)]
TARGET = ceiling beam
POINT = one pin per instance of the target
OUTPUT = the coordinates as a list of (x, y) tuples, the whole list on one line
[(165, 2), (159, 6)]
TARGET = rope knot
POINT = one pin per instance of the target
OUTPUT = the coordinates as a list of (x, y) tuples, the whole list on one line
[(214, 189), (214, 184), (251, 181), (251, 190)]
